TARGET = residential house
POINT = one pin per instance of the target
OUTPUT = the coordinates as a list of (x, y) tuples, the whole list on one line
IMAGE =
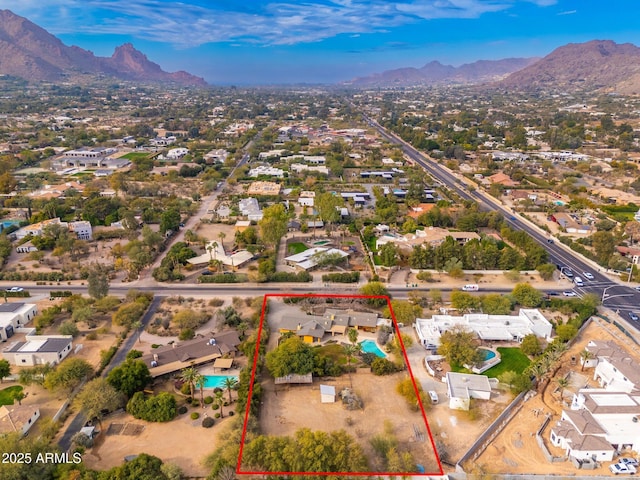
[(216, 156), (163, 141), (632, 253), (431, 235), (507, 328), (39, 350), (306, 198), (301, 167), (82, 229), (599, 424), (264, 188), (250, 208), (415, 212), (501, 179), (176, 153), (15, 315), (18, 418), (614, 368), (180, 355), (309, 259), (570, 223), (462, 387), (267, 171), (313, 328)]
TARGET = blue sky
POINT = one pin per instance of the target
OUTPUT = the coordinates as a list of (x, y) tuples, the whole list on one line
[(320, 41)]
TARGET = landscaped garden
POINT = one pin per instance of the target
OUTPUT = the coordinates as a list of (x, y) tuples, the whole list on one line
[(7, 394), (512, 359)]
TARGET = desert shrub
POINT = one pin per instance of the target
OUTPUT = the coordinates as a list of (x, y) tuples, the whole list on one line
[(217, 415), (185, 389), (195, 416), (182, 410), (216, 302), (92, 336), (208, 400), (215, 406), (344, 277), (382, 366), (208, 422), (155, 408)]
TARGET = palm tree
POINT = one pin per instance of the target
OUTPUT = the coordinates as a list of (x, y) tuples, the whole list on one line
[(221, 236), (189, 375), (352, 334), (199, 382), (585, 355), (138, 325), (220, 401), (212, 248), (230, 383), (562, 384), (350, 351)]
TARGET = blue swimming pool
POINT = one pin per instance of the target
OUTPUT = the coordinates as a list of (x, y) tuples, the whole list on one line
[(370, 346), (487, 354), (216, 381)]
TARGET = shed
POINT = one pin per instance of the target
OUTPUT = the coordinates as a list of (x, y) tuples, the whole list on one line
[(223, 363), (327, 394)]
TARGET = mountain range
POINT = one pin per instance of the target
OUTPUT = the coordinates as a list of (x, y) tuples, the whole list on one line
[(595, 65), (435, 73), (30, 52)]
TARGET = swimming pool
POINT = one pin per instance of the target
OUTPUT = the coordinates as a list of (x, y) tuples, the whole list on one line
[(487, 354), (370, 346), (216, 381)]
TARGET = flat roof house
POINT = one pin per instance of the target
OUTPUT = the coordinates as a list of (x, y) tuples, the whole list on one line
[(462, 387), (39, 350), (15, 315)]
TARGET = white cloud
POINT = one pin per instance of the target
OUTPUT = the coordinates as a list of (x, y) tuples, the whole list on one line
[(568, 12), (277, 22)]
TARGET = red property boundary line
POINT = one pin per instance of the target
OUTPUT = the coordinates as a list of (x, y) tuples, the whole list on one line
[(406, 360)]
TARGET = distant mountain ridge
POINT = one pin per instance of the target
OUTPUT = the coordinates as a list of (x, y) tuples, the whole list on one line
[(30, 52), (598, 64), (435, 73)]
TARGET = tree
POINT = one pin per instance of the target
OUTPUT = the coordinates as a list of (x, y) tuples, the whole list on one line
[(350, 351), (375, 289), (562, 383), (389, 254), (585, 355), (527, 296), (530, 345), (169, 220), (143, 467), (546, 270), (566, 332), (199, 382), (97, 282), (189, 375), (18, 396), (496, 304), (68, 374), (220, 401), (464, 301), (273, 225), (604, 244), (99, 396), (155, 408), (221, 236), (5, 369), (292, 356), (130, 377), (352, 335), (404, 311), (230, 383), (459, 347), (327, 205), (508, 377)]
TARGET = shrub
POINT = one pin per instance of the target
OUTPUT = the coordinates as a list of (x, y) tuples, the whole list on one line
[(195, 416), (216, 302), (208, 400), (185, 389), (217, 415), (215, 407), (345, 277), (382, 366), (92, 336), (290, 277), (156, 408), (208, 422), (231, 413), (186, 334), (182, 410)]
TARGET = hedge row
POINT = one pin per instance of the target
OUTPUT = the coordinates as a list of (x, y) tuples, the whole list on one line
[(223, 278), (345, 277)]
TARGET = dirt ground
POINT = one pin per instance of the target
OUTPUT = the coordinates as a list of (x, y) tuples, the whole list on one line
[(287, 409), (189, 442), (515, 450)]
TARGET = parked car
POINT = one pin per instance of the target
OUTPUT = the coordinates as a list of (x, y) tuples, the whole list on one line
[(628, 461), (621, 468), (588, 276), (472, 287), (569, 293), (15, 289), (433, 395), (634, 316)]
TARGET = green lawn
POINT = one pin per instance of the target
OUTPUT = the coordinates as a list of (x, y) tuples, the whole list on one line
[(335, 352), (135, 156), (6, 397), (297, 247), (511, 358)]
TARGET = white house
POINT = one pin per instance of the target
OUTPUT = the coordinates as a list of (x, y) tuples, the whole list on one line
[(250, 208), (462, 387), (15, 315), (507, 328), (615, 369), (18, 418), (39, 350), (176, 153), (306, 198), (265, 170), (599, 424), (309, 258), (82, 229)]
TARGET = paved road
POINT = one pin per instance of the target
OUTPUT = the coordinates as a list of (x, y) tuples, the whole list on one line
[(615, 295)]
